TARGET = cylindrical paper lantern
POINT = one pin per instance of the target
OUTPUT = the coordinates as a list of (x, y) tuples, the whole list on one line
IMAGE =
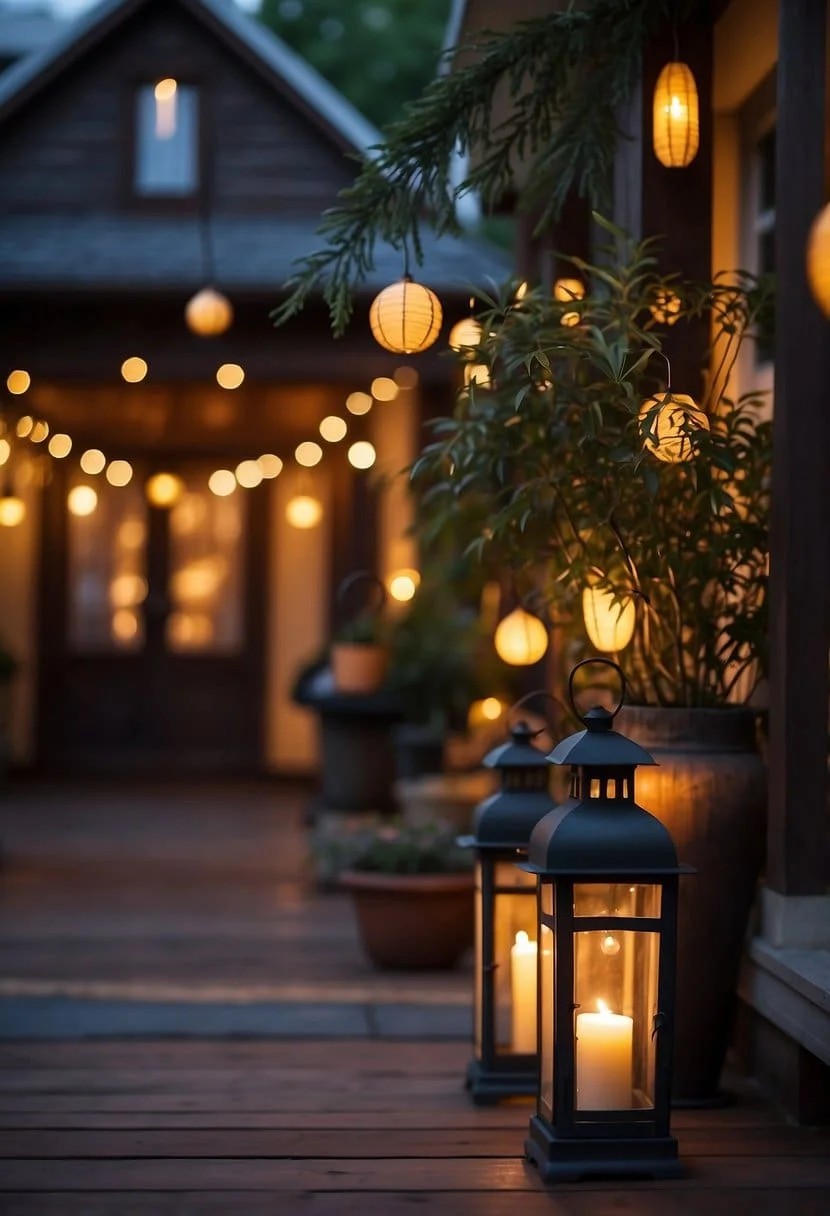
[(676, 131)]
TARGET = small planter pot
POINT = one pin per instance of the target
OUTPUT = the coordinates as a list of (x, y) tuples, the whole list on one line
[(358, 667), (412, 922)]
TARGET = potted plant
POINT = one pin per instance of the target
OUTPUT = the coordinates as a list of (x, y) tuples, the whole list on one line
[(581, 467), (412, 892), (359, 651)]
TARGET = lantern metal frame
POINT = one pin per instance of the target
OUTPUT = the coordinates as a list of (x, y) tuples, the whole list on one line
[(502, 827), (600, 837)]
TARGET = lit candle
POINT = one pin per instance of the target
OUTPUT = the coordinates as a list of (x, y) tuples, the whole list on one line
[(603, 1060), (523, 993)]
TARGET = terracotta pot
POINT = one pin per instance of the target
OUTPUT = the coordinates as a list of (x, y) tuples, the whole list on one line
[(412, 921), (710, 792), (358, 667)]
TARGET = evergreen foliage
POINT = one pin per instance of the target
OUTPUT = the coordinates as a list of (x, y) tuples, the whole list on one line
[(566, 73)]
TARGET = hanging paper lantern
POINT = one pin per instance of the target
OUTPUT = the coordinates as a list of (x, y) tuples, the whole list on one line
[(405, 317), (465, 334), (818, 260), (208, 313), (669, 433), (609, 622), (520, 638), (676, 130)]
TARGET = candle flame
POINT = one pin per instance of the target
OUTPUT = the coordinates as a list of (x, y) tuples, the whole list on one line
[(521, 938), (602, 1007)]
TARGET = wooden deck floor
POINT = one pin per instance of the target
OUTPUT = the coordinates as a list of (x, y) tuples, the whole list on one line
[(129, 915), (335, 1127)]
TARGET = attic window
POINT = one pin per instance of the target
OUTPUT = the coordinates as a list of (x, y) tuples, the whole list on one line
[(166, 140)]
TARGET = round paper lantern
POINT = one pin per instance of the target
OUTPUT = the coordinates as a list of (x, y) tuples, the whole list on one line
[(520, 638), (818, 260), (676, 125), (208, 313), (405, 317), (609, 623), (464, 334), (670, 432)]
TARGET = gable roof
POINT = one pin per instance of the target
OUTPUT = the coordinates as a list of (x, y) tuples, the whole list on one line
[(267, 54)]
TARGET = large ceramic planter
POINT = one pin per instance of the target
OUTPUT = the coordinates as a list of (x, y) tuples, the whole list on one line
[(412, 921), (710, 792)]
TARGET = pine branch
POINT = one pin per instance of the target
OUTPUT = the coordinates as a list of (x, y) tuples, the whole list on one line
[(565, 73)]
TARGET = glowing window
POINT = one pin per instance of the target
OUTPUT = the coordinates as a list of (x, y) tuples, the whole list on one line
[(166, 140)]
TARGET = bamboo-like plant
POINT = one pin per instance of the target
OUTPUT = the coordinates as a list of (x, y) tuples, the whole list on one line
[(553, 471)]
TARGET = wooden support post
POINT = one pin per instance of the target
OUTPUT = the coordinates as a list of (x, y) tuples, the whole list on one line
[(800, 552)]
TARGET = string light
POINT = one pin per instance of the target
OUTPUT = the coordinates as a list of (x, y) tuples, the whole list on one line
[(134, 369), (119, 472), (229, 375), (384, 389), (248, 474), (93, 461), (358, 403), (308, 454), (18, 381), (59, 446), (271, 465), (222, 483), (82, 500), (333, 429), (362, 454)]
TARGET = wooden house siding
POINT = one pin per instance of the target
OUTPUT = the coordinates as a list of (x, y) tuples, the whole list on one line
[(70, 150)]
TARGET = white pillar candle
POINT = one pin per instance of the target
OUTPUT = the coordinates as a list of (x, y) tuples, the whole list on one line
[(603, 1060), (523, 994)]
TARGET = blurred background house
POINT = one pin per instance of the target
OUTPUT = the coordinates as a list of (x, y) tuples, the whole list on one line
[(161, 623)]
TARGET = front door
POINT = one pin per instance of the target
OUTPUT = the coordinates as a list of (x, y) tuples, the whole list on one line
[(152, 626)]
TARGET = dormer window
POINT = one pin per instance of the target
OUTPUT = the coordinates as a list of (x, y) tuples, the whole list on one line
[(166, 140)]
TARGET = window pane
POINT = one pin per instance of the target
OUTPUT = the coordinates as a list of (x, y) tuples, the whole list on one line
[(107, 575), (206, 573), (166, 143)]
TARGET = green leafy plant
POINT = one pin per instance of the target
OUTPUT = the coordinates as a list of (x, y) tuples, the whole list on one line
[(395, 847), (440, 659), (552, 473)]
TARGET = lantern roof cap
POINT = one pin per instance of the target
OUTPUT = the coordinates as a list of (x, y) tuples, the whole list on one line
[(599, 745), (507, 818), (601, 837), (519, 751)]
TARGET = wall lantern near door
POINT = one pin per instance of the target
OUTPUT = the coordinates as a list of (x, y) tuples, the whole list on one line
[(504, 1062), (520, 638), (676, 123), (303, 511), (607, 933), (818, 260), (12, 509), (405, 317)]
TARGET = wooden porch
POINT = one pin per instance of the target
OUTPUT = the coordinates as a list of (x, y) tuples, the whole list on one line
[(145, 929)]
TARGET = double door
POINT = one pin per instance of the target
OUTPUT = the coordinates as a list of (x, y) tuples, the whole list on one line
[(152, 620)]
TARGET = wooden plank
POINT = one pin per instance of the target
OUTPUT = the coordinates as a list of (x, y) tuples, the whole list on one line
[(580, 1200), (405, 1056), (348, 1142), (490, 1117), (326, 1174)]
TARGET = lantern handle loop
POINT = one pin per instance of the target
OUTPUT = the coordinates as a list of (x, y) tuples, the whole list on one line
[(536, 692), (356, 578), (605, 663)]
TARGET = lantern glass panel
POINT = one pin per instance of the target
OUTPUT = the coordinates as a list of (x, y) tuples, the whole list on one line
[(546, 1047), (546, 897), (514, 955), (615, 992), (616, 899), (478, 960)]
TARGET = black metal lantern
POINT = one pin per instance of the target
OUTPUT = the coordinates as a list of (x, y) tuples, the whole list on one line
[(505, 1062), (607, 932)]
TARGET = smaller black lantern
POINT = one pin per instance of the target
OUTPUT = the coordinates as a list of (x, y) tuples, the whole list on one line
[(607, 932), (505, 1063)]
